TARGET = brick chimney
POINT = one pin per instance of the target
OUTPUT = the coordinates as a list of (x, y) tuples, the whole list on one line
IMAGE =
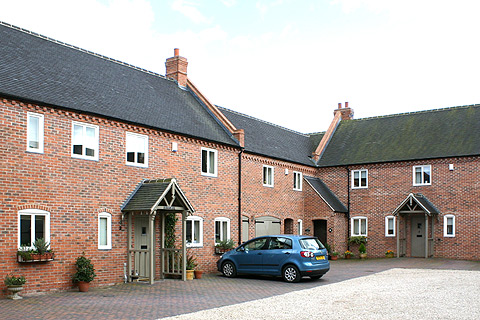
[(177, 68), (346, 113)]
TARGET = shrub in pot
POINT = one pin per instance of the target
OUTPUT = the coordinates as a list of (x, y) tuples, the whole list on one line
[(85, 273)]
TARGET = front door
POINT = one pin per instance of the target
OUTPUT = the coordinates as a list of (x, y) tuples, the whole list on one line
[(320, 230), (418, 236), (142, 266)]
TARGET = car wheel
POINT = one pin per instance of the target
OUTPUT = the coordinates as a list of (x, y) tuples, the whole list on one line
[(291, 274), (316, 277), (228, 269)]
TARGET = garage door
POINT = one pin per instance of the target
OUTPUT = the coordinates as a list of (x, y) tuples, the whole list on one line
[(265, 226)]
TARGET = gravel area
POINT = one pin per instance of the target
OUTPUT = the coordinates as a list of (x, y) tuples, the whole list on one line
[(392, 294)]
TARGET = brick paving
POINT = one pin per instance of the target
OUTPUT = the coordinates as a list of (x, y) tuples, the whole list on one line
[(172, 297)]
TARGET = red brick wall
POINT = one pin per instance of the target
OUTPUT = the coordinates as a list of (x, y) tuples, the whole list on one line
[(75, 190)]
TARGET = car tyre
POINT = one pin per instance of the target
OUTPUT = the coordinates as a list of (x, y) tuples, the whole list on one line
[(316, 277), (228, 269), (291, 274)]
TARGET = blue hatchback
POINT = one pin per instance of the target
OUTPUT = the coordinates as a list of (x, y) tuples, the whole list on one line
[(289, 256)]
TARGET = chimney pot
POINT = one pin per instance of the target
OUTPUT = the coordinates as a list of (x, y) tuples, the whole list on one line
[(176, 52), (340, 106), (346, 104)]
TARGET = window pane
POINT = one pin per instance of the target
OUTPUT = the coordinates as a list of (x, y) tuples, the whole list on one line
[(204, 161), (450, 226), (356, 179), (390, 225), (224, 230), (141, 157), (418, 175), (196, 231), (364, 179), (90, 132), (130, 156), (211, 162), (426, 175), (90, 152), (189, 231), (25, 230), (264, 175), (39, 227), (77, 148), (33, 132), (364, 226), (356, 227), (217, 231), (103, 231)]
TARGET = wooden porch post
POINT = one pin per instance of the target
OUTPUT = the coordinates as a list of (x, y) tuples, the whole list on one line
[(162, 246), (398, 235), (129, 247), (151, 246), (426, 236), (184, 246)]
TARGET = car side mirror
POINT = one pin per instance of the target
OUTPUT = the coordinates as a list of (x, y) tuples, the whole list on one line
[(242, 249)]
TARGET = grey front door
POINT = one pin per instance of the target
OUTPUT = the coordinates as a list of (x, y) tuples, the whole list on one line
[(418, 236), (142, 266)]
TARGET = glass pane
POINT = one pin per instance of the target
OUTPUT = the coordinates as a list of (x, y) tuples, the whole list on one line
[(356, 179), (90, 132), (356, 227), (217, 231), (77, 134), (77, 148), (33, 132), (39, 227), (130, 157), (25, 230), (418, 175), (189, 231), (196, 232), (90, 152), (364, 179), (265, 175), (449, 225), (204, 161), (141, 157), (426, 175), (224, 230), (364, 226), (211, 167), (390, 226), (103, 231)]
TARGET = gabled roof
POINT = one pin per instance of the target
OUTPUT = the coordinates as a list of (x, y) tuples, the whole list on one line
[(326, 194), (431, 134), (41, 70), (274, 141), (416, 202), (151, 195)]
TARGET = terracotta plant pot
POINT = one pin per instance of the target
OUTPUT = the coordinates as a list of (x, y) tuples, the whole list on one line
[(389, 255), (333, 257), (83, 286), (363, 256), (198, 274), (190, 274)]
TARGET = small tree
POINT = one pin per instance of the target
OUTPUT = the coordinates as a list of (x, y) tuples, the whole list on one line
[(362, 248), (85, 270)]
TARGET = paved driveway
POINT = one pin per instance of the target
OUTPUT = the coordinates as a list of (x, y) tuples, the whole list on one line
[(174, 297)]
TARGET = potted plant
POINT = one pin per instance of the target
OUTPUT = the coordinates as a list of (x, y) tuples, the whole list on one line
[(334, 255), (191, 265), (85, 273), (348, 254), (42, 252), (363, 251), (14, 285), (224, 246), (389, 254)]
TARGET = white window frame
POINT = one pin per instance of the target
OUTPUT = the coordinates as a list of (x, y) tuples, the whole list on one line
[(388, 218), (423, 167), (445, 225), (129, 148), (108, 216), (33, 213), (265, 175), (200, 221), (208, 163), (360, 186), (297, 180), (300, 226), (221, 220), (41, 132), (352, 223), (93, 145)]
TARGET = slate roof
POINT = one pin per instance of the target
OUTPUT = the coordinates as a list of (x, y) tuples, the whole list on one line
[(326, 194), (44, 71), (440, 133), (271, 140)]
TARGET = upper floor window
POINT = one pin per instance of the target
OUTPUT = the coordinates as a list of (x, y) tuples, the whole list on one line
[(84, 141), (449, 225), (35, 132), (104, 231), (359, 226), (222, 229), (297, 181), (268, 176), (136, 149), (359, 179), (33, 224), (209, 162), (390, 226), (194, 235), (422, 175)]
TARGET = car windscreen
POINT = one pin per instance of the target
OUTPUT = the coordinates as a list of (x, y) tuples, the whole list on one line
[(311, 243)]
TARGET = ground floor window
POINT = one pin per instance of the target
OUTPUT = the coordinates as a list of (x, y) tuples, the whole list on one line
[(194, 231), (300, 226), (390, 226), (33, 224), (222, 229), (104, 231), (359, 226), (449, 225)]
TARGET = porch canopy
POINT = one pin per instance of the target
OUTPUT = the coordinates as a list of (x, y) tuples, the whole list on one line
[(152, 197), (415, 203), (326, 194)]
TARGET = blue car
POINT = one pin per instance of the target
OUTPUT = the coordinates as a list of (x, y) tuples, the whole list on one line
[(289, 256)]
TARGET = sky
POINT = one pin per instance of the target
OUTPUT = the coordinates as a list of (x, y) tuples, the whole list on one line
[(284, 61)]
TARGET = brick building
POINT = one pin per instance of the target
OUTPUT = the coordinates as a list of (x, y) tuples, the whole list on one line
[(98, 155)]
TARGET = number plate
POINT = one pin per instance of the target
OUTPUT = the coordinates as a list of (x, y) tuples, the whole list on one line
[(320, 257)]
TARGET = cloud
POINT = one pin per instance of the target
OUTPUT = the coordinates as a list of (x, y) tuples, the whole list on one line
[(229, 3), (189, 10)]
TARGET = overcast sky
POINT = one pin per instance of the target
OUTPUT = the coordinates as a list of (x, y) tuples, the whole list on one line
[(287, 62)]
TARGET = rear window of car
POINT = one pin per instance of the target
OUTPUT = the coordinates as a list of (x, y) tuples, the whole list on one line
[(311, 243)]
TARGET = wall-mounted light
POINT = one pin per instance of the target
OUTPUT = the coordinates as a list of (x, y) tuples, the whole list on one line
[(450, 167), (286, 171), (174, 147)]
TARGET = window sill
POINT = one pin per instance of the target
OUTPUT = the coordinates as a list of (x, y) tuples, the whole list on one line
[(209, 175), (84, 158), (34, 151), (130, 164)]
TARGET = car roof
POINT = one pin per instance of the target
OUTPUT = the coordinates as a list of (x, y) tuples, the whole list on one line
[(292, 236)]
